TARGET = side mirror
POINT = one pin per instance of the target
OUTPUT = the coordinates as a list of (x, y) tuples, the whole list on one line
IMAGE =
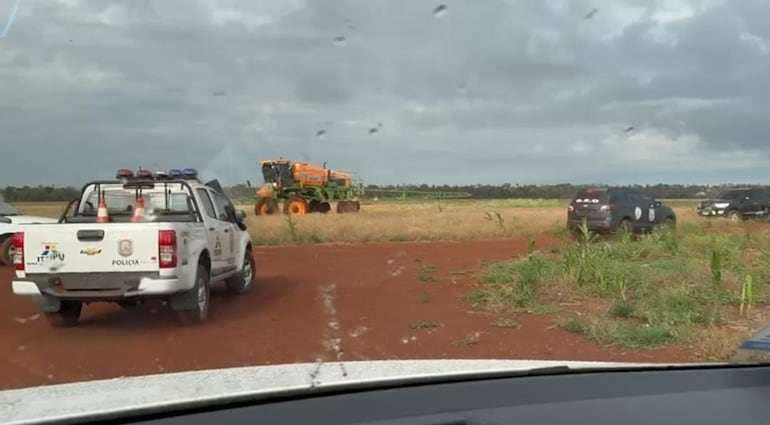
[(240, 216)]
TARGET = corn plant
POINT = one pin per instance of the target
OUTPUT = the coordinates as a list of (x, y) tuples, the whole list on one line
[(747, 294)]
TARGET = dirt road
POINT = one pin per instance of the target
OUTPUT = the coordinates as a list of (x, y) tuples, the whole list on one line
[(342, 302)]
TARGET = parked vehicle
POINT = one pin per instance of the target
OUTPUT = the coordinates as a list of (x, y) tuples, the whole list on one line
[(737, 204), (11, 220), (608, 210), (106, 247)]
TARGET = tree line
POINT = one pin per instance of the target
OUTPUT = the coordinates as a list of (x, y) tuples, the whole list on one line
[(507, 190)]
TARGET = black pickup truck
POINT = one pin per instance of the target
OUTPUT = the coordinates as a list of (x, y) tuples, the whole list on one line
[(737, 204)]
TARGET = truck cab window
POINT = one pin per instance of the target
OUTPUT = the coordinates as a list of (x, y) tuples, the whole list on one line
[(208, 206), (221, 204)]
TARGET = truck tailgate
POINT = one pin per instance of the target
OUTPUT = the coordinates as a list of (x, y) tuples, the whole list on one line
[(82, 248)]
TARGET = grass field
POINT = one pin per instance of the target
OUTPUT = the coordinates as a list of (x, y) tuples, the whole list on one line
[(396, 221), (425, 221), (706, 289), (707, 285)]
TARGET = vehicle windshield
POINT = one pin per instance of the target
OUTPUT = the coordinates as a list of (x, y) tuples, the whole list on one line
[(733, 195), (378, 180), (7, 209), (120, 200)]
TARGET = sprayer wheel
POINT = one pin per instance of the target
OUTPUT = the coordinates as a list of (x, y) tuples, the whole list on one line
[(314, 206), (295, 206), (266, 206)]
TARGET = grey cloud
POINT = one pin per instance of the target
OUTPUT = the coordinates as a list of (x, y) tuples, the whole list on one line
[(493, 91)]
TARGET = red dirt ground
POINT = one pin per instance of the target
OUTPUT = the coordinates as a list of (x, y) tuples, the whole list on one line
[(347, 302)]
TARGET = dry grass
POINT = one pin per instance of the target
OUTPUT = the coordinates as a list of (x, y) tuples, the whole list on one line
[(427, 221), (413, 221), (43, 209)]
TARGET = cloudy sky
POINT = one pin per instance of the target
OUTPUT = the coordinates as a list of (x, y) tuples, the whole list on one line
[(489, 91)]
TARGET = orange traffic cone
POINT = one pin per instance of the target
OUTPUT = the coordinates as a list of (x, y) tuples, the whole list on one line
[(138, 210), (101, 214)]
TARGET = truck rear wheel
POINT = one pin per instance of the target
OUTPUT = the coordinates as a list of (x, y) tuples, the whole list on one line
[(67, 316), (6, 251), (242, 281), (193, 305), (625, 227)]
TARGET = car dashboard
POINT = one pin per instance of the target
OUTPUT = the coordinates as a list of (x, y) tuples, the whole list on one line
[(684, 395)]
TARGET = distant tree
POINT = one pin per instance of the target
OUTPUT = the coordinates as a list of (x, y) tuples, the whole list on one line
[(52, 193)]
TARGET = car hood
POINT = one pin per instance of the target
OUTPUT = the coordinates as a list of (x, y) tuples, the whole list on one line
[(111, 397), (30, 219)]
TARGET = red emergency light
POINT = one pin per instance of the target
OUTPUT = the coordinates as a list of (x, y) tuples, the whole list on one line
[(124, 173), (143, 174)]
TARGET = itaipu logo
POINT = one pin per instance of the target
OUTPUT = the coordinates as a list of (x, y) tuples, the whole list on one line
[(50, 253)]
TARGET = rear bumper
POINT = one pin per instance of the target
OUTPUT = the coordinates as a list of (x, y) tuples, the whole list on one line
[(78, 287), (601, 225)]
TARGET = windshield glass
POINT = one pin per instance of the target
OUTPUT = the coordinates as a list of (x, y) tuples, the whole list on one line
[(120, 200), (591, 196), (733, 194), (410, 181)]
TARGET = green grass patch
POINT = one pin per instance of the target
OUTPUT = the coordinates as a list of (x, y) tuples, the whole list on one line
[(426, 274), (643, 292), (423, 325)]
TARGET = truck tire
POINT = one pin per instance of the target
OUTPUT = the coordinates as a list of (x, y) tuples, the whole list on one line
[(669, 224), (625, 226), (243, 280), (6, 250), (67, 316), (192, 306), (733, 215)]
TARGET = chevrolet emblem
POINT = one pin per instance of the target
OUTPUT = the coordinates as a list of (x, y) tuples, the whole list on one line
[(91, 251)]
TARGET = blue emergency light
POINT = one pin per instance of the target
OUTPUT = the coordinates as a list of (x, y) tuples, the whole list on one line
[(174, 173), (190, 173)]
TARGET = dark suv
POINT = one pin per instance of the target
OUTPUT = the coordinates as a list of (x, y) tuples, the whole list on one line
[(737, 204), (606, 210)]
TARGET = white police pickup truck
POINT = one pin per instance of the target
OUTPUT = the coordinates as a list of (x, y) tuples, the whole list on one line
[(141, 236)]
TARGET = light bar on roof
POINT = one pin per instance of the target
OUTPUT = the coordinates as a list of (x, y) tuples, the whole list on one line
[(124, 173), (190, 173)]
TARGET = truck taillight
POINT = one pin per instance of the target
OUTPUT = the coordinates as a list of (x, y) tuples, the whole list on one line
[(167, 248), (18, 251)]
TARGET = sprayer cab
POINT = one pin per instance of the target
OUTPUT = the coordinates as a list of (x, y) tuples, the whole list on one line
[(276, 171)]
